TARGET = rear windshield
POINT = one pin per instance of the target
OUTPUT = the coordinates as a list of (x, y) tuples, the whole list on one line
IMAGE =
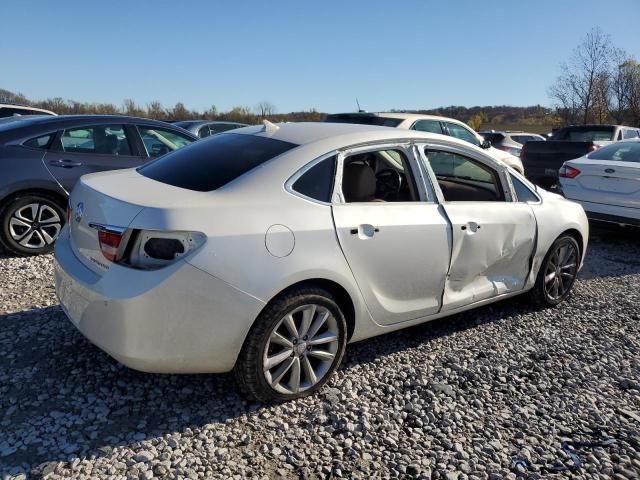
[(215, 161), (363, 119), (585, 134), (618, 152), (493, 137)]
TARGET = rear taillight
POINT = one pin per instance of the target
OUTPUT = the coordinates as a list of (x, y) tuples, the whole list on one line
[(152, 249), (109, 244), (568, 172), (593, 147)]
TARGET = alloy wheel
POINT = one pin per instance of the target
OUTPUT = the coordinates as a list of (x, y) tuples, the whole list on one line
[(35, 225), (301, 349), (561, 270)]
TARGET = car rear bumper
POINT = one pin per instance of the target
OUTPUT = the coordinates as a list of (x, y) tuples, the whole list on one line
[(610, 213), (178, 319)]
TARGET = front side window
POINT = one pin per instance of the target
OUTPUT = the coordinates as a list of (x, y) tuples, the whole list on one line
[(523, 193), (158, 141), (462, 133), (39, 142), (212, 163), (101, 139), (462, 179), (317, 182), (618, 152), (431, 126), (378, 176)]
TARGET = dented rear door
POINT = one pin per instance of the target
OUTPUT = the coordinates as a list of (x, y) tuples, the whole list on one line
[(492, 247)]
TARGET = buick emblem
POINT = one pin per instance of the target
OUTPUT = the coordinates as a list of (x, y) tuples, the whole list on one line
[(78, 212)]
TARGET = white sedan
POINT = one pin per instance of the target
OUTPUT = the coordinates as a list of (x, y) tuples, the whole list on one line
[(606, 182), (431, 124), (267, 249)]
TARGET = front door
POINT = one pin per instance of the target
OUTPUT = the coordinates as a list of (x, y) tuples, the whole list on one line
[(82, 150), (493, 236), (393, 235)]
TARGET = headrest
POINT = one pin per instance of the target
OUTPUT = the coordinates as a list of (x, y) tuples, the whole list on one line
[(358, 182)]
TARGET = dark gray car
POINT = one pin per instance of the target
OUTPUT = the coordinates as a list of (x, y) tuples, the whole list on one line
[(42, 157), (204, 128)]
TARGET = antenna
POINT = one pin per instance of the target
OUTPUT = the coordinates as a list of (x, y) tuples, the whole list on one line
[(358, 104)]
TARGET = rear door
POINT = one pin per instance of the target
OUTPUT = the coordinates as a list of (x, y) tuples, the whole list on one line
[(88, 149), (394, 235), (492, 236)]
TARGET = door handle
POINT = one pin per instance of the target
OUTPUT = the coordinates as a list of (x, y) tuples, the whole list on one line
[(65, 163), (365, 231)]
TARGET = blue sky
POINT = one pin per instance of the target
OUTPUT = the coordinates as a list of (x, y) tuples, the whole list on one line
[(300, 55)]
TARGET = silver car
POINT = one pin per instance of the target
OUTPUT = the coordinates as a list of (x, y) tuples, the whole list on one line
[(267, 249)]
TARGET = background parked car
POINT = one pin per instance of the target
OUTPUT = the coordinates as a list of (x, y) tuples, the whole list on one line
[(510, 142), (42, 157), (543, 159), (427, 123), (205, 128), (9, 110), (606, 182)]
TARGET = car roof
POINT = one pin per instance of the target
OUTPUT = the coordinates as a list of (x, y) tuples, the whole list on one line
[(26, 107), (334, 135), (36, 124), (406, 116)]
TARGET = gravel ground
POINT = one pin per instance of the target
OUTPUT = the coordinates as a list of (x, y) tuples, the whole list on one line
[(457, 398)]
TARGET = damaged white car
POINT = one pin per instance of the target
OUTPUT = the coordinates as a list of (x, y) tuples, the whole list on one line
[(267, 249)]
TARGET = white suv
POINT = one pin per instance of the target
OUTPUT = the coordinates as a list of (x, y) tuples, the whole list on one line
[(431, 124)]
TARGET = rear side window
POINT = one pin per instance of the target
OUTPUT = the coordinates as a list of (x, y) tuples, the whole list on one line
[(39, 142), (317, 182), (462, 133), (215, 161)]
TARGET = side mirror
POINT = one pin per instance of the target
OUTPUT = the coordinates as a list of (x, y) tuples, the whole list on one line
[(485, 144)]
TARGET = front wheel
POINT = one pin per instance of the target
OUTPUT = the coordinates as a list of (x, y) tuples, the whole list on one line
[(557, 273), (30, 224), (295, 345)]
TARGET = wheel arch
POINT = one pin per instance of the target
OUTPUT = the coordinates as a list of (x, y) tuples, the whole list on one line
[(577, 236), (60, 198), (339, 293)]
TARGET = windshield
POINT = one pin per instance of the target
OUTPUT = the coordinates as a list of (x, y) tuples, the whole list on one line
[(215, 161), (585, 134), (618, 152), (363, 119)]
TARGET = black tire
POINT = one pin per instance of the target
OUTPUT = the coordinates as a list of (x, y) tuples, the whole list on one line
[(39, 242), (249, 367), (541, 294)]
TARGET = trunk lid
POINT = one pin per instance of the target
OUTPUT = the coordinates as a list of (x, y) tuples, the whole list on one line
[(114, 199), (607, 182)]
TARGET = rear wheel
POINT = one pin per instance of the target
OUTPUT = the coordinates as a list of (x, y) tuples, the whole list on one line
[(558, 272), (30, 224), (295, 345)]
